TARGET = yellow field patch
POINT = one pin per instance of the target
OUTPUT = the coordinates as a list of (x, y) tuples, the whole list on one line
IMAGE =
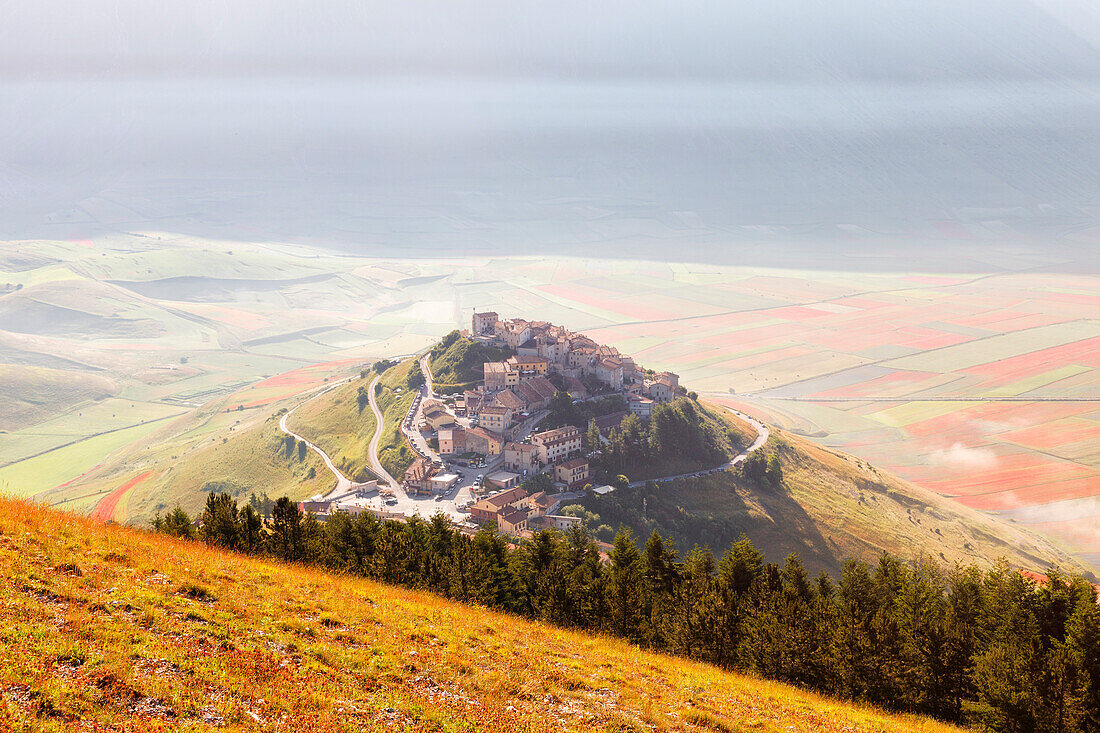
[(911, 412), (1039, 380)]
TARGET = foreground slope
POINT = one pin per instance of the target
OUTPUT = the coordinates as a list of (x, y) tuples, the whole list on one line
[(117, 627)]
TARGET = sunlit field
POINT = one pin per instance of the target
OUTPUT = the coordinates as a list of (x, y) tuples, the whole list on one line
[(982, 386)]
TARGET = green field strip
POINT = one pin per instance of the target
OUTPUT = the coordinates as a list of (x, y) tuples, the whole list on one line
[(113, 414), (51, 469)]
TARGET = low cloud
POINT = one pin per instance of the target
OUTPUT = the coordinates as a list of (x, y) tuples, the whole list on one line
[(960, 456)]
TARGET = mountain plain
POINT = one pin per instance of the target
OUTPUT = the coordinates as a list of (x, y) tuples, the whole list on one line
[(980, 388)]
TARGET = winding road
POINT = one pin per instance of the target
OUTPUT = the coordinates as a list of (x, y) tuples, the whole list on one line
[(762, 435), (426, 370), (343, 483), (372, 449)]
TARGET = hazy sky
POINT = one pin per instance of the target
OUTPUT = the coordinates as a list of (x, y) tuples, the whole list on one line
[(892, 39), (441, 125)]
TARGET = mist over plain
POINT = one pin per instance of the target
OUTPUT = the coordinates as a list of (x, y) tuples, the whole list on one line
[(857, 135)]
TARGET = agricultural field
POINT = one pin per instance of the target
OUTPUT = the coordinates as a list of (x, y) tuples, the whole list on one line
[(983, 387)]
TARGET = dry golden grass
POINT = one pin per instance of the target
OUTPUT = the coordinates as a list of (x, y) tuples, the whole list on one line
[(112, 628), (863, 512)]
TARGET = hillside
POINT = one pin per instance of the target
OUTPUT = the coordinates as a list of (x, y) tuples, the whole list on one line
[(241, 450), (336, 422), (341, 424), (829, 506), (819, 514), (126, 630), (33, 394), (394, 400), (456, 362)]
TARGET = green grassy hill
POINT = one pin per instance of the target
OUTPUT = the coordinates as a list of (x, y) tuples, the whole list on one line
[(33, 394), (829, 506), (112, 628), (341, 425), (394, 399), (456, 362)]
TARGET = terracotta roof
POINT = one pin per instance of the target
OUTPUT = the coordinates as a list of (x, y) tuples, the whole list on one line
[(575, 463), (510, 400), (541, 498), (420, 469), (566, 431), (485, 434), (528, 359), (504, 498), (543, 386), (527, 393), (520, 447), (512, 515), (494, 410)]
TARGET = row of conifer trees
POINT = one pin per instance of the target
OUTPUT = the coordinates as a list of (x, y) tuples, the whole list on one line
[(986, 646)]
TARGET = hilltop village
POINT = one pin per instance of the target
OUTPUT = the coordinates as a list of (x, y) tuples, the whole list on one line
[(518, 438), (494, 426)]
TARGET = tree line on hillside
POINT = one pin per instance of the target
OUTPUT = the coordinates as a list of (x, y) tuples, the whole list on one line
[(679, 436), (963, 644)]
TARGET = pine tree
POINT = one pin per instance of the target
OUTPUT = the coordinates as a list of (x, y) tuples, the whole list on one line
[(592, 438), (219, 521), (662, 572), (175, 523), (923, 628), (625, 587), (286, 526), (962, 627), (1083, 643), (251, 526)]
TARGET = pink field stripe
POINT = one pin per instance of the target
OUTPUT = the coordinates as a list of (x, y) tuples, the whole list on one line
[(1077, 488), (108, 505)]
